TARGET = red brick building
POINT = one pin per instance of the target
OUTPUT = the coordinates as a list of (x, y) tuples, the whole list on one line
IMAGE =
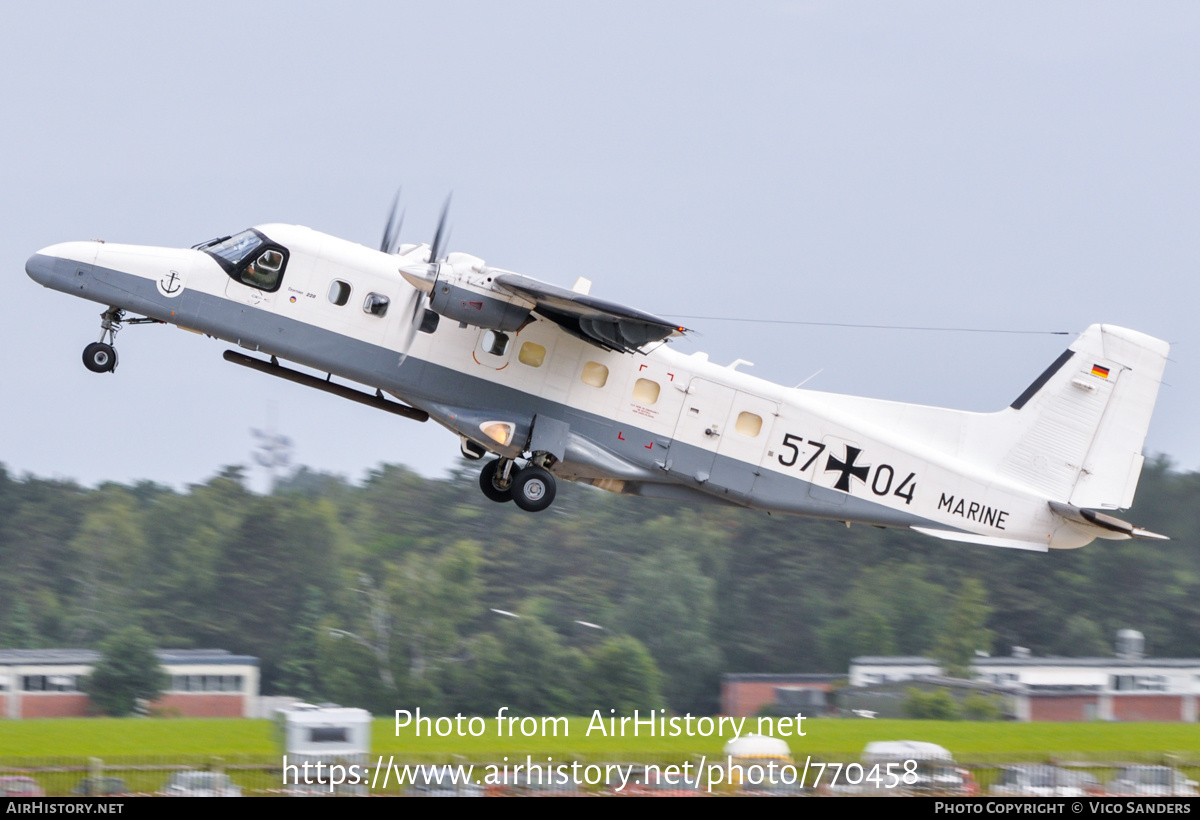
[(748, 694), (46, 683), (1066, 689)]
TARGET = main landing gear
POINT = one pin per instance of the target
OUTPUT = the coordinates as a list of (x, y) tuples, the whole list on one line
[(101, 356), (531, 488)]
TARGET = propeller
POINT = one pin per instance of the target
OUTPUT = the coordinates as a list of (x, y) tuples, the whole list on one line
[(423, 275), (391, 230)]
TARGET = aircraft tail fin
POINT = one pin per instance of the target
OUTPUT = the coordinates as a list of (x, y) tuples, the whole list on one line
[(1082, 423)]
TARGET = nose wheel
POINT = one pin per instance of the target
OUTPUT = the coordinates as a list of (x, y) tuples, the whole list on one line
[(99, 357)]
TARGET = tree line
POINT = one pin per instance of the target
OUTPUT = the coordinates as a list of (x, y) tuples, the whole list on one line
[(402, 591)]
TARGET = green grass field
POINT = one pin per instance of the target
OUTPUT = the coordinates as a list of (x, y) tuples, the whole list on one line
[(828, 738), (144, 752)]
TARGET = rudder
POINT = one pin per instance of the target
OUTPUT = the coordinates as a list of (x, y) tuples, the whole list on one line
[(1083, 422)]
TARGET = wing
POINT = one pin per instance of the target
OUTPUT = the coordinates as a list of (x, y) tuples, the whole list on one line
[(604, 324)]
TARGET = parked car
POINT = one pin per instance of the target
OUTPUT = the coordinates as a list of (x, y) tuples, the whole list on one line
[(100, 786), (1045, 781), (201, 784), (1152, 781), (923, 768), (442, 781), (13, 786)]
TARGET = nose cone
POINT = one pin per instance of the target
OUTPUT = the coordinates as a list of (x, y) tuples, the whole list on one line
[(55, 266), (40, 267)]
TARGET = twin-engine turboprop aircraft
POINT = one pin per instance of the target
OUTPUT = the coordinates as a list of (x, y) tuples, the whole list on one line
[(582, 389)]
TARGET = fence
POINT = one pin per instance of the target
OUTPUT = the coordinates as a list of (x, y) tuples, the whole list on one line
[(263, 775)]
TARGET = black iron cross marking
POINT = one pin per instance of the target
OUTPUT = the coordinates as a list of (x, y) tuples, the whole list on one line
[(848, 469)]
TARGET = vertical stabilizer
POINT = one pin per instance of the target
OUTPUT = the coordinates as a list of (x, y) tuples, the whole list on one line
[(1082, 423)]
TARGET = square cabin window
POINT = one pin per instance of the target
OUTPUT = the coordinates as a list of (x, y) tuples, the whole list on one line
[(748, 424), (494, 343), (339, 292), (376, 304), (645, 391), (594, 374), (532, 354)]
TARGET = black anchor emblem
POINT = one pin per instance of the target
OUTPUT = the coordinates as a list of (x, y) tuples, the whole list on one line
[(168, 283)]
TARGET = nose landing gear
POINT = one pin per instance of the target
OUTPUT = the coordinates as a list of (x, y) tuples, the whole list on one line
[(101, 356)]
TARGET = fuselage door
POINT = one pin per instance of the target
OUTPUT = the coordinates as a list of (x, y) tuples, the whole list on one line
[(699, 429), (742, 442)]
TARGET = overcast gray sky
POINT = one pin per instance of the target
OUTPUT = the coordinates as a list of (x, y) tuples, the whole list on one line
[(1027, 166)]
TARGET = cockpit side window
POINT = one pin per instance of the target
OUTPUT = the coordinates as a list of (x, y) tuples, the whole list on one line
[(264, 271), (250, 258)]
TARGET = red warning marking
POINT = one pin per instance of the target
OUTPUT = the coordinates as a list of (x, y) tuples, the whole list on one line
[(672, 375), (642, 367), (620, 435), (476, 305), (650, 446)]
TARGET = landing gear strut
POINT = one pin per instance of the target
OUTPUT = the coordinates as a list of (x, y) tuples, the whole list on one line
[(532, 488), (101, 356)]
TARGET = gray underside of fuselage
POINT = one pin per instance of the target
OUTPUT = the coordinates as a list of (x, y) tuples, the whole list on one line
[(461, 402)]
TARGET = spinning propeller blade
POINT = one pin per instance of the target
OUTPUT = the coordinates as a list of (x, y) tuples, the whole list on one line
[(440, 237), (423, 277), (391, 230)]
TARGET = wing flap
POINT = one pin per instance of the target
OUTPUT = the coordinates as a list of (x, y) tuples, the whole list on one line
[(605, 324)]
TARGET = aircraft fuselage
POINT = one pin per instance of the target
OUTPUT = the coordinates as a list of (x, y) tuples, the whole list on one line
[(652, 423)]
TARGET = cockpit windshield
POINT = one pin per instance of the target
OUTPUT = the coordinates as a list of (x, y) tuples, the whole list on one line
[(250, 258), (232, 251)]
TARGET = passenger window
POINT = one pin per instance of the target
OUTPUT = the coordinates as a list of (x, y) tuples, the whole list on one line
[(494, 342), (645, 391), (339, 292), (748, 424), (376, 304), (264, 272), (532, 354), (595, 374)]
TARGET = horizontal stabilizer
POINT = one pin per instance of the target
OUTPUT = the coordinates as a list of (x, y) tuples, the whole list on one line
[(985, 540), (1113, 527)]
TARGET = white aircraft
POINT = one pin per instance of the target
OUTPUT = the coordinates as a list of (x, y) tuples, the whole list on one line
[(586, 390)]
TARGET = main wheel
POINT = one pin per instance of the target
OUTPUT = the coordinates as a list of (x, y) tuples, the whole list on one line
[(100, 358), (533, 489), (487, 482)]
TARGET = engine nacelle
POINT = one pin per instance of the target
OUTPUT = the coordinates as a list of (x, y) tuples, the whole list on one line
[(490, 311), (460, 288)]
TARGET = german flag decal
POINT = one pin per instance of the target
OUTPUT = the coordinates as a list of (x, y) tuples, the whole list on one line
[(1102, 372)]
